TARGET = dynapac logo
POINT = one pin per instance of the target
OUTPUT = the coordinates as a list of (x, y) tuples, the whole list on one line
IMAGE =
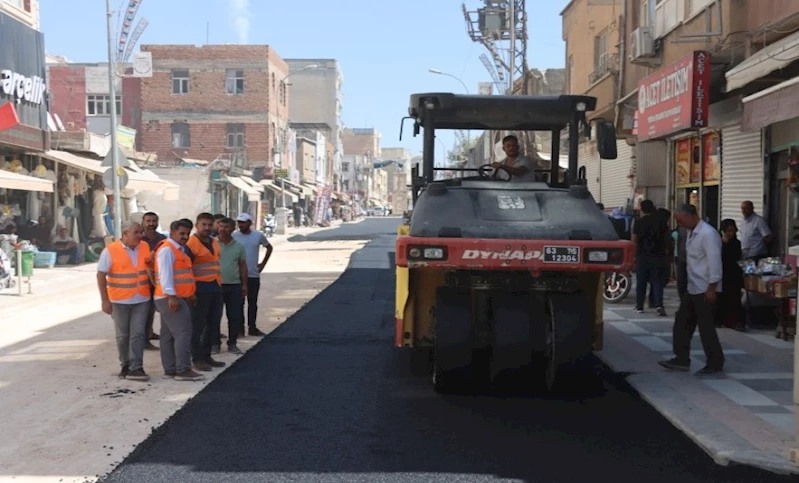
[(503, 255)]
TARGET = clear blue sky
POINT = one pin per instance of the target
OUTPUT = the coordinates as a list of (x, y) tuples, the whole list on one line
[(385, 47)]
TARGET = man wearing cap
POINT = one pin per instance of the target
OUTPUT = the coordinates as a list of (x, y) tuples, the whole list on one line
[(125, 292), (252, 241)]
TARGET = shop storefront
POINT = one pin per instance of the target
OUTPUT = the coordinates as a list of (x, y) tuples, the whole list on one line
[(22, 85), (673, 106), (771, 115)]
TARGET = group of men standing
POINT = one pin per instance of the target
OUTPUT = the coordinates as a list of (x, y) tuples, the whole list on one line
[(190, 279)]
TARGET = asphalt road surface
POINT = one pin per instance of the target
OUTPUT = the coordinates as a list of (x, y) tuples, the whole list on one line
[(326, 398)]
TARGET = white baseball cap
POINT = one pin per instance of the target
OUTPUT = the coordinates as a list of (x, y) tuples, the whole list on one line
[(244, 217)]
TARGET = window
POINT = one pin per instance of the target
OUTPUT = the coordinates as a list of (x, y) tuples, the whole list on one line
[(17, 3), (180, 82), (646, 17), (283, 93), (234, 81), (697, 6), (235, 135), (345, 166), (570, 75), (601, 49), (181, 137), (668, 14), (100, 105)]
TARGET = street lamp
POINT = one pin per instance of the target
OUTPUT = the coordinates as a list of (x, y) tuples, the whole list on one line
[(114, 155), (468, 132)]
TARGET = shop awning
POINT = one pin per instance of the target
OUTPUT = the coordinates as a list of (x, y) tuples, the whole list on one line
[(267, 183), (15, 181), (313, 188), (138, 179), (563, 159), (301, 189), (763, 62), (772, 105), (258, 187), (252, 193)]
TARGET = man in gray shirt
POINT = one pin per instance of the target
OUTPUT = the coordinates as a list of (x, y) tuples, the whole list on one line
[(755, 234), (252, 241), (704, 270)]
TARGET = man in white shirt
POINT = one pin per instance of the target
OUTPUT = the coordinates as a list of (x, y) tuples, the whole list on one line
[(516, 166), (703, 260), (755, 233), (252, 241)]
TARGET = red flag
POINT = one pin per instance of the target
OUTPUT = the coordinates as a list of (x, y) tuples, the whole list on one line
[(8, 116)]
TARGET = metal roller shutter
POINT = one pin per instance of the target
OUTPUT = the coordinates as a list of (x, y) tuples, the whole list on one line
[(741, 171), (614, 176), (589, 158)]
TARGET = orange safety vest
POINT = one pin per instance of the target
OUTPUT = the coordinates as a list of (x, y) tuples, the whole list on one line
[(181, 273), (123, 280), (206, 264)]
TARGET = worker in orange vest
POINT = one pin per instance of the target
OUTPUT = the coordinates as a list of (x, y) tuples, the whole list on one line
[(174, 295), (207, 314), (125, 292)]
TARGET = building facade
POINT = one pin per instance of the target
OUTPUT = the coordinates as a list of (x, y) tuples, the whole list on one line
[(361, 141), (216, 102), (25, 11), (591, 30), (316, 86), (306, 155)]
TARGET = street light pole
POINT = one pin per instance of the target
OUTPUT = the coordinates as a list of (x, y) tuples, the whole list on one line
[(114, 149), (468, 132)]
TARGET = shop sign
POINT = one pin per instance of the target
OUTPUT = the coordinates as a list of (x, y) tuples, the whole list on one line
[(19, 88), (675, 98)]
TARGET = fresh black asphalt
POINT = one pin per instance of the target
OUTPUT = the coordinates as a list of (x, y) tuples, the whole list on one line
[(327, 398)]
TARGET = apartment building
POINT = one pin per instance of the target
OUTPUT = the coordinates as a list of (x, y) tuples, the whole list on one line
[(216, 101), (316, 87), (26, 11), (703, 92), (591, 30), (361, 141)]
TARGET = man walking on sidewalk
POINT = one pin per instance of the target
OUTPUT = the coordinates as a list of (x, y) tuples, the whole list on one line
[(703, 257), (174, 294), (152, 238), (252, 241), (233, 264), (207, 314), (125, 291)]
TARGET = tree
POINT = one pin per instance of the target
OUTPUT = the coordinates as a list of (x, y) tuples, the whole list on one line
[(460, 154)]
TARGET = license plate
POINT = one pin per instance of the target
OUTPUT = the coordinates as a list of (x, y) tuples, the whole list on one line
[(561, 255)]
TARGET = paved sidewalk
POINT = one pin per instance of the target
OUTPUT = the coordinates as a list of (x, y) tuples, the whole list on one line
[(744, 416), (66, 282)]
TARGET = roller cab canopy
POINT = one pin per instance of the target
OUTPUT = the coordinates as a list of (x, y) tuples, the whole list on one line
[(498, 113)]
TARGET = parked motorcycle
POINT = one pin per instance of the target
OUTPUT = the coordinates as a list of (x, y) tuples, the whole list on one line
[(270, 225), (617, 286)]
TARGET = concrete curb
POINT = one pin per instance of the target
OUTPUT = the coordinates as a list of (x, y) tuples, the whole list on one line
[(718, 441)]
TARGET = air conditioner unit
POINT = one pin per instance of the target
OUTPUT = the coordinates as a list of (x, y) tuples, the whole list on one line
[(642, 43)]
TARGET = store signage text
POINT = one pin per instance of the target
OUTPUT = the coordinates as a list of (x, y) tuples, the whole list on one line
[(674, 99), (21, 88)]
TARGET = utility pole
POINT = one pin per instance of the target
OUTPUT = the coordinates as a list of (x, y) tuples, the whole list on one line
[(114, 146)]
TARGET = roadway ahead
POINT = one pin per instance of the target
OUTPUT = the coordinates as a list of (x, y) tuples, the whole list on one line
[(326, 398)]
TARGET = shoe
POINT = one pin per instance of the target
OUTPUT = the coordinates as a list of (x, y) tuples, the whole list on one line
[(169, 374), (150, 346), (124, 372), (234, 349), (256, 333), (189, 375), (138, 375), (211, 362), (709, 370), (674, 365), (155, 337), (215, 349), (242, 334), (202, 366), (661, 311), (222, 336), (639, 311)]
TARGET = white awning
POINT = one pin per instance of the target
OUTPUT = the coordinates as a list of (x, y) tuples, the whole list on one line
[(15, 181), (252, 194), (302, 189), (80, 162), (314, 189), (563, 159), (763, 62), (267, 183), (258, 187)]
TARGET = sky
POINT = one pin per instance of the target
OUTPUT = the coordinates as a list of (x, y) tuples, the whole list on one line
[(384, 47)]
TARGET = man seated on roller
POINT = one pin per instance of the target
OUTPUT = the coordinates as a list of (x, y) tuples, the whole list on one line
[(516, 164)]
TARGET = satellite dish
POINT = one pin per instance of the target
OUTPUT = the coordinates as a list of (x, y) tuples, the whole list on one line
[(108, 178)]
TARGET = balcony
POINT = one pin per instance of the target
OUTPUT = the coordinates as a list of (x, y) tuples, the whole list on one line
[(608, 64), (668, 15)]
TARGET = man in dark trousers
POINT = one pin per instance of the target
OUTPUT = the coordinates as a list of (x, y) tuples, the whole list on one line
[(704, 270), (151, 236), (650, 239)]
